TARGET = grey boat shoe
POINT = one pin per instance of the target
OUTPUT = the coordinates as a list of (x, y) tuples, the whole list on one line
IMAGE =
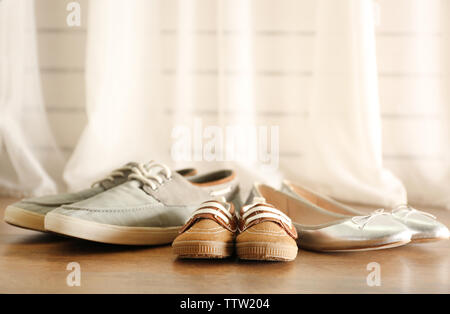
[(30, 213), (148, 209), (423, 226), (322, 230)]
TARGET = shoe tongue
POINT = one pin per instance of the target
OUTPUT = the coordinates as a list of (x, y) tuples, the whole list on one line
[(145, 164), (178, 191), (259, 200), (131, 164), (221, 199), (107, 184)]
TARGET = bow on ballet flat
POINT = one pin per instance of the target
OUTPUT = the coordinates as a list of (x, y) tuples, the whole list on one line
[(362, 221)]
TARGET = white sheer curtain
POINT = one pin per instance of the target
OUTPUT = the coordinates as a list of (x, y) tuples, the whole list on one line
[(131, 118), (125, 119), (345, 150), (161, 86), (30, 162)]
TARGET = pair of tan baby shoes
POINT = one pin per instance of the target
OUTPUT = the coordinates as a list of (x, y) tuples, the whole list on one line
[(258, 231)]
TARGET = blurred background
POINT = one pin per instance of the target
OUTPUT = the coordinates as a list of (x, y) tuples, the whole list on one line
[(358, 88)]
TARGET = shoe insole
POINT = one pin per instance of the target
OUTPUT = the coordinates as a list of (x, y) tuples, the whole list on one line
[(299, 212)]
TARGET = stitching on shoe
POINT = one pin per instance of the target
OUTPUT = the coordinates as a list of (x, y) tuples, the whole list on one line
[(255, 227), (205, 229), (212, 232), (116, 210), (278, 234)]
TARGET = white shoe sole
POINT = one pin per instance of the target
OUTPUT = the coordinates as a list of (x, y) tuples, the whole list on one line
[(112, 234), (22, 218), (263, 251)]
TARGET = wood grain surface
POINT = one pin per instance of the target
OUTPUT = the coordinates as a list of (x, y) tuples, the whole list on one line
[(34, 262)]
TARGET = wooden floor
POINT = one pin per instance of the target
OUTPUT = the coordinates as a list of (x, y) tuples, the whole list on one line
[(33, 262)]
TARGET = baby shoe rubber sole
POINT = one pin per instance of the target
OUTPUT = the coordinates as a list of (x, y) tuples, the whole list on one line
[(203, 249), (209, 232), (265, 234), (265, 253), (262, 251)]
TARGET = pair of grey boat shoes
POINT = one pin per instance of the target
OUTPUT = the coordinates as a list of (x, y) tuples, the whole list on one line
[(138, 204)]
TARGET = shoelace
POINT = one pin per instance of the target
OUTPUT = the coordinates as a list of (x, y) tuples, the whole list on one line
[(214, 208), (143, 173), (410, 210), (362, 221), (266, 212), (120, 172)]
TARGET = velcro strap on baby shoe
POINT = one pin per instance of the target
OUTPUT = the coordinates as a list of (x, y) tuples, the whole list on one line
[(256, 213), (216, 211)]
